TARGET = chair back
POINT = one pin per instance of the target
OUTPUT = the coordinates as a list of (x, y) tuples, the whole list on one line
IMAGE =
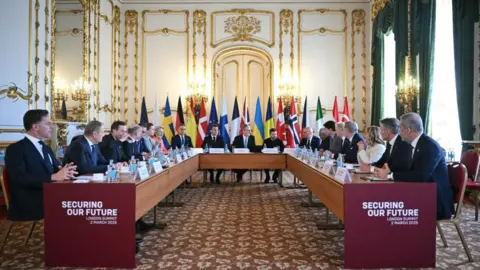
[(471, 160), (4, 180), (457, 173)]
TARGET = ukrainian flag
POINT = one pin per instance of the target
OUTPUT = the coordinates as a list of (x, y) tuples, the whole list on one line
[(269, 123), (167, 124), (258, 131)]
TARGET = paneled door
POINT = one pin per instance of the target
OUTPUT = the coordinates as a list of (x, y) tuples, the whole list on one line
[(246, 74)]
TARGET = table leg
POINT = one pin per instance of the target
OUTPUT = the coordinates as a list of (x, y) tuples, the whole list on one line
[(280, 179), (310, 202), (171, 204), (158, 225), (329, 226)]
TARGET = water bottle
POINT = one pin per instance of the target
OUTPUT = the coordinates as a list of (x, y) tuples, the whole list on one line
[(264, 145), (452, 155), (225, 149), (206, 148), (2, 155), (340, 161), (60, 151), (133, 165)]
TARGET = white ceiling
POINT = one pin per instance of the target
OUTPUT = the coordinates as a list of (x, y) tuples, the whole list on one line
[(237, 1)]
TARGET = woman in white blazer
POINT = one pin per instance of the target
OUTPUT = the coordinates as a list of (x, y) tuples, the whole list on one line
[(375, 148)]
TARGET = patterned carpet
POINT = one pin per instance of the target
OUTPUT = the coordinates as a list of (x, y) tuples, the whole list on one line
[(247, 226)]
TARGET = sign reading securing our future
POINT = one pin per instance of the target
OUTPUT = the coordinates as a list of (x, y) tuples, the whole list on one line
[(93, 211), (395, 212)]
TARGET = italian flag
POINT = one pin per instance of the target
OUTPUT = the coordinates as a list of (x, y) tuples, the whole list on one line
[(319, 118)]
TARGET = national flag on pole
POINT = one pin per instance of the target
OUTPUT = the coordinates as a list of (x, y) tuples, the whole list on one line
[(319, 116), (167, 125), (258, 131), (235, 119), (180, 119), (224, 124), (213, 116), (346, 111), (244, 117), (156, 112), (305, 118), (143, 113), (280, 124), (269, 123), (294, 121), (335, 113), (191, 123), (202, 124)]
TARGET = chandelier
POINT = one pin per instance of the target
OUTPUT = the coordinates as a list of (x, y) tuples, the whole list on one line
[(196, 92), (406, 91), (286, 91)]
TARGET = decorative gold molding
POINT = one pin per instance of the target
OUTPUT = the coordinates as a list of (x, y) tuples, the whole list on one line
[(119, 64), (322, 31), (242, 37), (199, 27), (237, 81), (13, 92), (72, 32), (286, 27), (115, 92), (53, 24), (131, 28), (47, 62), (358, 23), (29, 72), (62, 133), (73, 11), (37, 58), (96, 59), (378, 5)]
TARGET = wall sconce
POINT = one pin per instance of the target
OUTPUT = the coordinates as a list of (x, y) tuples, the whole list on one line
[(59, 96), (13, 92), (81, 93), (286, 91)]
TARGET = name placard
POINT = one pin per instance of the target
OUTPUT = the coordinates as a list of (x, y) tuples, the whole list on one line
[(241, 151), (342, 174), (143, 172), (157, 167), (185, 155), (289, 151), (179, 158), (270, 150), (216, 150), (327, 166)]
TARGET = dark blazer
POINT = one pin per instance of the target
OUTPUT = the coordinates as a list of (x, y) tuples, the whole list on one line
[(112, 149), (177, 142), (80, 153), (400, 158), (428, 165), (219, 143), (274, 143), (27, 172), (350, 149), (314, 143), (336, 144), (238, 142), (325, 145), (131, 149)]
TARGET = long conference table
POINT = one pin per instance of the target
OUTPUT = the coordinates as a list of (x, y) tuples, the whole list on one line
[(131, 199)]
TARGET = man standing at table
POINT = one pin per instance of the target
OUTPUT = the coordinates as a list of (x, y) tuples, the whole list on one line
[(214, 140), (244, 141), (111, 145), (135, 145), (84, 151), (350, 147), (181, 139), (428, 163), (272, 142), (30, 163), (309, 140)]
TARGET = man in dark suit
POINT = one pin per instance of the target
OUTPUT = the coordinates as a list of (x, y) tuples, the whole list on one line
[(338, 138), (350, 147), (330, 133), (309, 140), (398, 153), (30, 163), (428, 163), (135, 146), (244, 141), (84, 151), (214, 140), (111, 145), (181, 139), (272, 142)]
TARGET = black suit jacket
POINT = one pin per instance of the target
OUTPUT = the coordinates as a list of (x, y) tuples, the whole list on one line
[(314, 143), (27, 172), (400, 158), (274, 143), (130, 149), (325, 145), (350, 149), (177, 142), (80, 153), (238, 143), (112, 149), (219, 143), (428, 165)]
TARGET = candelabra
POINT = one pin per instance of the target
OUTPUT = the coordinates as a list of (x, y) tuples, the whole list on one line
[(81, 93), (59, 96), (196, 92), (286, 93), (406, 92)]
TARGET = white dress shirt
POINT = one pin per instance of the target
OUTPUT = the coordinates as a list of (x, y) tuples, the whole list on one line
[(414, 143), (392, 142), (372, 154), (36, 143), (245, 141)]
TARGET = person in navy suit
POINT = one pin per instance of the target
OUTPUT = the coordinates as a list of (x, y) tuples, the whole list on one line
[(309, 140), (111, 145), (134, 145), (30, 163), (85, 153), (214, 140), (428, 163), (181, 139), (244, 141), (350, 143)]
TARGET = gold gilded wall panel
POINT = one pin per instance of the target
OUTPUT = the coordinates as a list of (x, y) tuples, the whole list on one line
[(359, 28)]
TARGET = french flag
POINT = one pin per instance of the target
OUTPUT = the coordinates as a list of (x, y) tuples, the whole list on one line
[(245, 117)]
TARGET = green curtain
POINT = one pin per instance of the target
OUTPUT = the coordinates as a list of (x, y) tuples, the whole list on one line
[(400, 29), (423, 44), (465, 14), (382, 24)]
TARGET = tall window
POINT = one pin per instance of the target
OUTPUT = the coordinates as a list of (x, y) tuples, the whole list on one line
[(445, 127), (389, 104)]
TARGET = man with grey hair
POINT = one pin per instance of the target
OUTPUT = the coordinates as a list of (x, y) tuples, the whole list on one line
[(338, 138), (350, 143), (428, 163), (309, 140)]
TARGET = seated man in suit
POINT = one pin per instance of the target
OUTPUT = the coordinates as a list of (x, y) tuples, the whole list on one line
[(350, 143), (337, 139), (329, 127), (272, 142), (111, 145), (398, 153), (181, 139), (135, 146), (309, 140), (244, 141), (428, 163), (84, 151), (30, 163), (214, 140)]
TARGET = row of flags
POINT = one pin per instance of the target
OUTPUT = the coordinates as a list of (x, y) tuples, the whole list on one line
[(288, 129)]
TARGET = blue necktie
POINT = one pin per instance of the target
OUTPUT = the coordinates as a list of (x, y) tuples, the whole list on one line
[(46, 157), (94, 156)]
